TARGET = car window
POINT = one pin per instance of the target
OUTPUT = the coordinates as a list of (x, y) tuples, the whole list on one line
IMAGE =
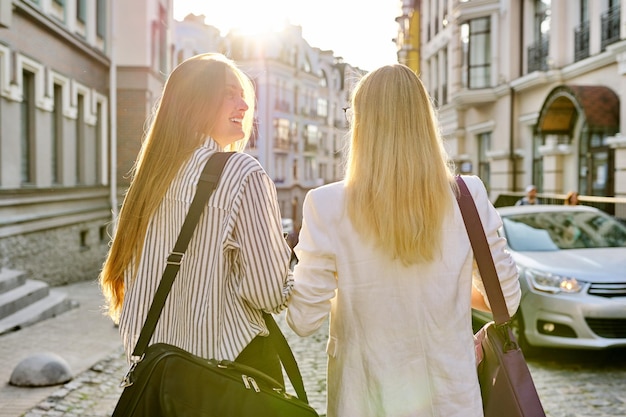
[(522, 236), (554, 230)]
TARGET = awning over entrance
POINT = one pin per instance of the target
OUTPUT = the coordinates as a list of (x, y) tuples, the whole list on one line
[(598, 104)]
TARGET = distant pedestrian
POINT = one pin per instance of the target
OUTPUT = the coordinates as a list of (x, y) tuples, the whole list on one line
[(530, 198), (385, 253), (571, 199)]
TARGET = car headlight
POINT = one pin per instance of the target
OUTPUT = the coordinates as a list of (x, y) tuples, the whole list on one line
[(553, 283)]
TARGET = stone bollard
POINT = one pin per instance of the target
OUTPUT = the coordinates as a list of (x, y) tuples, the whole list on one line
[(40, 370)]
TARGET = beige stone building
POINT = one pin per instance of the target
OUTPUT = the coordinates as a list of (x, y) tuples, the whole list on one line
[(529, 91), (301, 91), (77, 80)]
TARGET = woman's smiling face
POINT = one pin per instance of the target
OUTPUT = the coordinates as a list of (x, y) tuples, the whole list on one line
[(228, 123)]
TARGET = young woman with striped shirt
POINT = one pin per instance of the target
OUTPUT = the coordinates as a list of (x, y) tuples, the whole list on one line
[(237, 263)]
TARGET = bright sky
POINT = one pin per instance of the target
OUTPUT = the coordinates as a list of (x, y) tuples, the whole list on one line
[(359, 31)]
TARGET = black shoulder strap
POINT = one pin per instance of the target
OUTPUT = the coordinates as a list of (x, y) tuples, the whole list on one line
[(208, 181), (286, 356), (482, 254)]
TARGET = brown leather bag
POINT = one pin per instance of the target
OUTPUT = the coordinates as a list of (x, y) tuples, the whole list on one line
[(506, 385)]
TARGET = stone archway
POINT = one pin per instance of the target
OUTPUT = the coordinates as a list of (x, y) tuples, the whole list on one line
[(585, 116)]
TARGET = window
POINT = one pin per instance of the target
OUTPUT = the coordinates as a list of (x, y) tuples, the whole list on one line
[(610, 22), (311, 138), (322, 107), (81, 11), (323, 80), (80, 140), (435, 79), (484, 170), (280, 168), (57, 135), (57, 9), (281, 134), (538, 51), (162, 39), (99, 151), (309, 168), (101, 18), (27, 133), (581, 33), (596, 165), (476, 39)]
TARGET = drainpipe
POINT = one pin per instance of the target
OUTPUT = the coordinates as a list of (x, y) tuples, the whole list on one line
[(512, 97), (511, 141), (113, 115)]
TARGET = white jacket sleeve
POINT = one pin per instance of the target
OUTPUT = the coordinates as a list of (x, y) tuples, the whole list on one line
[(504, 263), (315, 280)]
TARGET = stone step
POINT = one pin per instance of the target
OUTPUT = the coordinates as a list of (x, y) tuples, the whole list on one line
[(10, 279), (22, 296), (53, 304)]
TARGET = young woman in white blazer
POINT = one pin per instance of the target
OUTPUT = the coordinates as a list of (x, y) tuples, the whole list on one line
[(386, 254)]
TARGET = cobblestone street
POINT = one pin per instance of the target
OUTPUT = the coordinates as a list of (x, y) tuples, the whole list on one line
[(570, 383)]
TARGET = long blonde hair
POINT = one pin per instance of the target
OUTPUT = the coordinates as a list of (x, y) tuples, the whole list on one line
[(182, 119), (398, 176)]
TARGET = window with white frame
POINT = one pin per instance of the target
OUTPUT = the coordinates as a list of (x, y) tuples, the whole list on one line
[(27, 131), (538, 51), (101, 18), (80, 139), (56, 131), (476, 44), (309, 168), (322, 107), (280, 167)]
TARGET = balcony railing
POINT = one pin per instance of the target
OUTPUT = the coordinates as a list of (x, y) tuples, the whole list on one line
[(581, 41), (610, 26), (281, 144), (538, 55)]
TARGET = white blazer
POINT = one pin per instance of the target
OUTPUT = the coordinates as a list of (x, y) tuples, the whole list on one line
[(400, 338)]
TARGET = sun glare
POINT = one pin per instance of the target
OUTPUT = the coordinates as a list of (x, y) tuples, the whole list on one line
[(365, 41), (245, 16)]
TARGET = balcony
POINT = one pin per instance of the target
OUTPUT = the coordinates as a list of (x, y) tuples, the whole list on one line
[(282, 144), (610, 26), (282, 105), (581, 41), (538, 55)]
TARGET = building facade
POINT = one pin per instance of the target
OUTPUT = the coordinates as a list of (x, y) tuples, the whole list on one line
[(71, 89), (54, 137), (529, 91), (301, 91), (75, 97), (408, 40)]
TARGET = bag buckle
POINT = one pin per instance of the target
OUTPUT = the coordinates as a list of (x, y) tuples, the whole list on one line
[(509, 343), (175, 258), (250, 383), (128, 379)]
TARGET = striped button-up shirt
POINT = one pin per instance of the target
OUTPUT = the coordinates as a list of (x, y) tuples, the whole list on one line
[(236, 265)]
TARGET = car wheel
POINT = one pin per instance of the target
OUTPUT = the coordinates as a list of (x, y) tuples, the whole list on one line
[(518, 327)]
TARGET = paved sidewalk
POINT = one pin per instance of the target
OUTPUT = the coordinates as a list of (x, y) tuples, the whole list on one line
[(91, 345), (82, 336), (570, 384)]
